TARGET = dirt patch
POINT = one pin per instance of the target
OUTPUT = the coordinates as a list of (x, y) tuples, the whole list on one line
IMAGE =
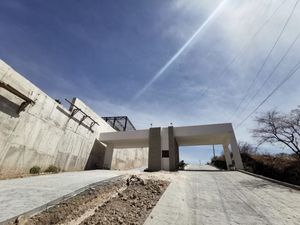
[(127, 200), (8, 176), (132, 206)]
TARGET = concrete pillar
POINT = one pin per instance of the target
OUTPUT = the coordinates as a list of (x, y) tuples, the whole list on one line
[(109, 151), (227, 156), (172, 156), (154, 159), (173, 150), (236, 153), (176, 154), (165, 160)]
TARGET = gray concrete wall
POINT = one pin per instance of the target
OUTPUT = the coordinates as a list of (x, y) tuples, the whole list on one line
[(45, 134), (97, 156), (124, 159), (176, 154), (173, 150), (154, 160)]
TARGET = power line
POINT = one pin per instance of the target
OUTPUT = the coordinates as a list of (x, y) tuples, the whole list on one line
[(272, 72), (265, 12), (252, 38), (290, 74), (269, 54), (267, 20), (243, 50)]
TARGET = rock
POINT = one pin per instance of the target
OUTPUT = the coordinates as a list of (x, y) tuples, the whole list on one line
[(149, 206), (21, 220), (133, 196), (143, 182)]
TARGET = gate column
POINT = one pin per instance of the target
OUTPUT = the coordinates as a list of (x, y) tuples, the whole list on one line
[(154, 157), (236, 153), (227, 156), (173, 150)]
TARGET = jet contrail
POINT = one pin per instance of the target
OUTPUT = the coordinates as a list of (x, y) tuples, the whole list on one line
[(178, 53)]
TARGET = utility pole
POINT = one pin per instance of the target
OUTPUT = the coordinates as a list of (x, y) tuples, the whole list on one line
[(214, 151)]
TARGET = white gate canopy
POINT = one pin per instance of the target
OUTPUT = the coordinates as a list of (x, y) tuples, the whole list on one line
[(185, 136), (221, 134)]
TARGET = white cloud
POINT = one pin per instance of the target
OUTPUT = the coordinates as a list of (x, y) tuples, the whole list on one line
[(233, 28), (178, 97)]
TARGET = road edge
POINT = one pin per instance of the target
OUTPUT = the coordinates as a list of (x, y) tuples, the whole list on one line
[(293, 186)]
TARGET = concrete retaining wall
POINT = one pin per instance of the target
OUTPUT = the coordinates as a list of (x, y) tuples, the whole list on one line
[(124, 159), (46, 134)]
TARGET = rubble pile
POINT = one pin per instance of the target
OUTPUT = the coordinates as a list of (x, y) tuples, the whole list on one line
[(132, 206)]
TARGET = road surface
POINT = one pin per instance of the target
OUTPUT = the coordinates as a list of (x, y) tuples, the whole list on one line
[(21, 195), (193, 197), (217, 197)]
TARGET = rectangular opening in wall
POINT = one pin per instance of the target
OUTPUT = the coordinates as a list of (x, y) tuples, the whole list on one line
[(200, 157), (165, 154)]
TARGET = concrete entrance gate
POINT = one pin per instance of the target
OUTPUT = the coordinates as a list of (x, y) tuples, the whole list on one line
[(163, 143)]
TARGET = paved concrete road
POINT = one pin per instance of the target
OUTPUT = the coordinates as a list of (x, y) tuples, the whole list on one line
[(200, 167), (21, 195), (216, 197)]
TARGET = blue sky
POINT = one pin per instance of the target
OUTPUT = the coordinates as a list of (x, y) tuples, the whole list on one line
[(105, 52)]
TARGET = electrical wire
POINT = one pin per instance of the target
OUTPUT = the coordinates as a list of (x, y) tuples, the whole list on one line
[(289, 75), (268, 56), (243, 49), (272, 72)]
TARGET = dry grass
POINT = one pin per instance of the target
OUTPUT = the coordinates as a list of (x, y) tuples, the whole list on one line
[(280, 167)]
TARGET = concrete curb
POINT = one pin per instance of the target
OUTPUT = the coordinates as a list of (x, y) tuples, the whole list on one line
[(296, 187), (60, 199)]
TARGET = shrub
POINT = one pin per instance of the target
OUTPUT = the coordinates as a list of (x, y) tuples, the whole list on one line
[(52, 169), (281, 167), (182, 164), (35, 170), (219, 162)]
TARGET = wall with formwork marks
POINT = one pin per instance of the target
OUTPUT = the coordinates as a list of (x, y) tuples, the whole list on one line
[(46, 134)]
